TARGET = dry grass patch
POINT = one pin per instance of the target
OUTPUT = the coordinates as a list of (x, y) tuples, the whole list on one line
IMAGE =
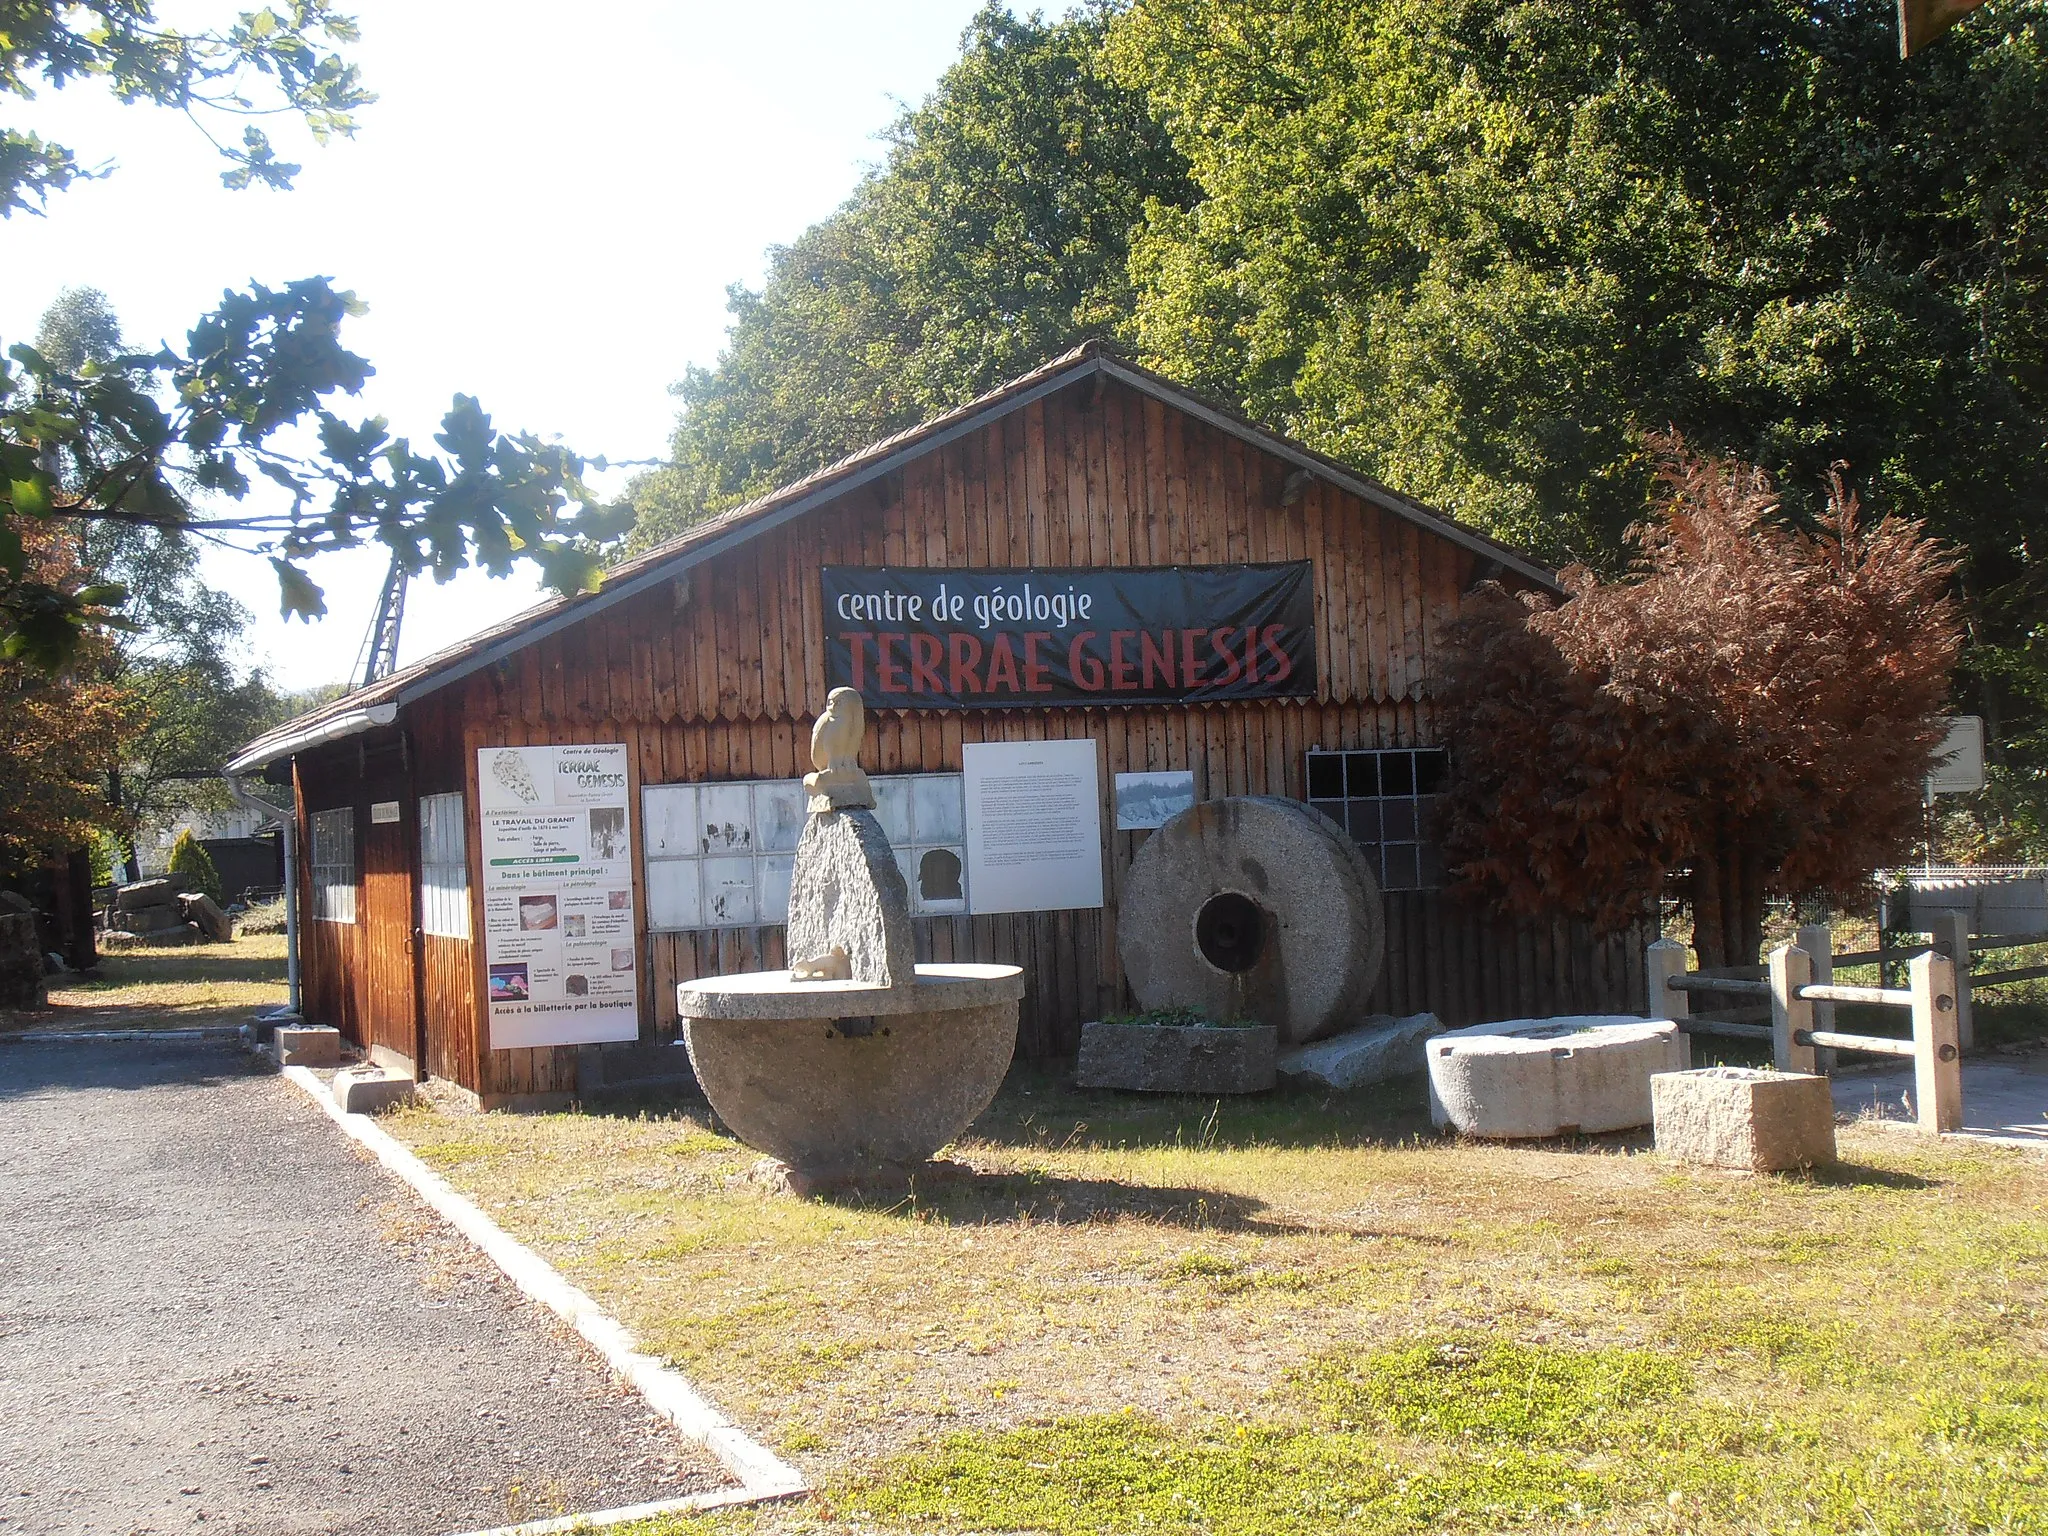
[(184, 988), (1143, 1314)]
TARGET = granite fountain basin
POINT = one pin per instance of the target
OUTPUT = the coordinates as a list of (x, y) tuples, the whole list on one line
[(849, 1082)]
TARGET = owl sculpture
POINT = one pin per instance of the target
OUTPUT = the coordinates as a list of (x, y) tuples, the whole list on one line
[(839, 783)]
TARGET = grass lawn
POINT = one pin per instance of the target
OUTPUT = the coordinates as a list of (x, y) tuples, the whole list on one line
[(1306, 1313), (165, 988)]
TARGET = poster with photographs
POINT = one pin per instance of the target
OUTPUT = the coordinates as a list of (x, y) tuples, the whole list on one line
[(559, 921), (721, 855)]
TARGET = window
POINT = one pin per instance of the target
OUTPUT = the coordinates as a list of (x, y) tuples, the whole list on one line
[(444, 867), (333, 839), (721, 855), (1387, 801)]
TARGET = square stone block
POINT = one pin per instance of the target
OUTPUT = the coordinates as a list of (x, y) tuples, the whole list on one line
[(1740, 1117), (307, 1045)]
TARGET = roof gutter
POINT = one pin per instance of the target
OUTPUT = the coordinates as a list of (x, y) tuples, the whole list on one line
[(350, 723)]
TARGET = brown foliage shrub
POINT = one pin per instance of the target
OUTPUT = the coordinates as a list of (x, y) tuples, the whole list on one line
[(1755, 706)]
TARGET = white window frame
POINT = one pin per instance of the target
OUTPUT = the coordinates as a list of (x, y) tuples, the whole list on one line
[(331, 857), (444, 866)]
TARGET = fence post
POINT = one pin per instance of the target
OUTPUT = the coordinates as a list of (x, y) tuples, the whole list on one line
[(1791, 969), (1818, 940), (1937, 1053), (1952, 938), (1661, 961)]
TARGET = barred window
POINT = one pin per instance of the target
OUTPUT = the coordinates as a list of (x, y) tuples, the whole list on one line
[(444, 867), (1387, 800), (333, 840)]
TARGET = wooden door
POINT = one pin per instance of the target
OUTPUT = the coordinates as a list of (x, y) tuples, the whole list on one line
[(389, 999)]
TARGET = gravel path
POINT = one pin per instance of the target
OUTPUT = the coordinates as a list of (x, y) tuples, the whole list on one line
[(213, 1310)]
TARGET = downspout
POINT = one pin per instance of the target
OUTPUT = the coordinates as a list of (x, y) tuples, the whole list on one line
[(288, 823)]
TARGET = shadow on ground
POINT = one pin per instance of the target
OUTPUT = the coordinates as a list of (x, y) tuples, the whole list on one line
[(33, 1067)]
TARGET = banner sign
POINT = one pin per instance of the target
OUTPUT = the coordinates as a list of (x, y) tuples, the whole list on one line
[(1180, 634), (558, 895)]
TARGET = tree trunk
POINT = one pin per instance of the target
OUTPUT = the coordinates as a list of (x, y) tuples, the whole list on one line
[(1726, 892)]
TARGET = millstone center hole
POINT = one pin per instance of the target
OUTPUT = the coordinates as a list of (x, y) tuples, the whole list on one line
[(1230, 930)]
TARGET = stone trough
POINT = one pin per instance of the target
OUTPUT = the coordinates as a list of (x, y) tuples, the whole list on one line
[(854, 1066), (1584, 1074)]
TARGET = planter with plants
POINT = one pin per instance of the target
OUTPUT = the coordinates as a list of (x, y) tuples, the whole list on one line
[(1177, 1050)]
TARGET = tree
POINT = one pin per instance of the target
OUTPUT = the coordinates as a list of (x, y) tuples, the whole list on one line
[(1754, 709), (195, 866), (60, 731), (178, 439), (270, 62), (995, 237), (1483, 247)]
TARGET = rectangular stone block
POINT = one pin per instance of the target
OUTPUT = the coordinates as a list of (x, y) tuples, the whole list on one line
[(1376, 1050), (1175, 1058), (372, 1090), (307, 1045), (1740, 1117)]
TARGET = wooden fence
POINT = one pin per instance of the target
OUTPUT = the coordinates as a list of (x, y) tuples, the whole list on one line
[(1799, 985)]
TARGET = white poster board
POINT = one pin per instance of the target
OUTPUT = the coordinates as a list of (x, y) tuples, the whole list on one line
[(1959, 764), (1034, 825), (559, 922)]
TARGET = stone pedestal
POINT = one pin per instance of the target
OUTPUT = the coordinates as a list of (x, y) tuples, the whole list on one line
[(1550, 1077), (1739, 1117), (1175, 1058), (845, 1082)]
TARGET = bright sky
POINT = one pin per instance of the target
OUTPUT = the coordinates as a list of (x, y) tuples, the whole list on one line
[(540, 211)]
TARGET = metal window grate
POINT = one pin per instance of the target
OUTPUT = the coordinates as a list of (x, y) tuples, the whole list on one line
[(1388, 799)]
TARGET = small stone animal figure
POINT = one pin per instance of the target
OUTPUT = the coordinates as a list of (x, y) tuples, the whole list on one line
[(839, 783), (833, 965)]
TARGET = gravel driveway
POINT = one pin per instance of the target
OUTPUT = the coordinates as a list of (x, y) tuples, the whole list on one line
[(212, 1309)]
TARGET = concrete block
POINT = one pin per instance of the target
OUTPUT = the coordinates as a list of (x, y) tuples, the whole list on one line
[(1376, 1050), (366, 1090), (1550, 1077), (1176, 1058), (306, 1045), (1739, 1117)]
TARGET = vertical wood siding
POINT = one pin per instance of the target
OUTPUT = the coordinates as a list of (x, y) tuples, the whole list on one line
[(718, 674)]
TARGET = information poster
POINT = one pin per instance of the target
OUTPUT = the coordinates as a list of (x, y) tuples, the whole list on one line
[(559, 922), (1034, 825)]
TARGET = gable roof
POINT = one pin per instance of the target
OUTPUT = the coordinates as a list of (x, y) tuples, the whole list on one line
[(378, 703)]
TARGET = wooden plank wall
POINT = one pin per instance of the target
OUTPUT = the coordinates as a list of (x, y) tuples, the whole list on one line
[(329, 953), (718, 675)]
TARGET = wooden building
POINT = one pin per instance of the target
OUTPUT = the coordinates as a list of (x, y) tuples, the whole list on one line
[(708, 658)]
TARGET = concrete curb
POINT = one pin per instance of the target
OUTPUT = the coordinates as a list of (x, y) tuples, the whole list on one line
[(763, 1476), (693, 1504)]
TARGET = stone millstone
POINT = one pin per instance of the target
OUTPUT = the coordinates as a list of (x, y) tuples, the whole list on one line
[(1253, 908), (846, 891)]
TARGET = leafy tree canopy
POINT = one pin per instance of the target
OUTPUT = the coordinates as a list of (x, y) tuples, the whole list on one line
[(995, 235), (178, 438), (276, 61), (1754, 706)]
